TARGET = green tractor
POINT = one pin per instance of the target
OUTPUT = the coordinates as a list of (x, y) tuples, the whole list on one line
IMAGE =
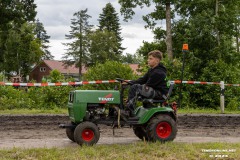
[(155, 120)]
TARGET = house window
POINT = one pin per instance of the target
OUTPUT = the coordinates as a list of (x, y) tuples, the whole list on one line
[(42, 69)]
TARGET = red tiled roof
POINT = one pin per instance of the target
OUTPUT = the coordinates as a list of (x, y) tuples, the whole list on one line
[(135, 67), (60, 66)]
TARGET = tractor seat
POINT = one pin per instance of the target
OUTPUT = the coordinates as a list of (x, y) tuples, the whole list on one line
[(163, 99), (145, 100)]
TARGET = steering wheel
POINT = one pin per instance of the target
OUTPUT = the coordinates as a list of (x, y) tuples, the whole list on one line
[(123, 80)]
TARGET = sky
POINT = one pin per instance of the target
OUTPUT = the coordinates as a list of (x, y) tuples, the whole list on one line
[(56, 17)]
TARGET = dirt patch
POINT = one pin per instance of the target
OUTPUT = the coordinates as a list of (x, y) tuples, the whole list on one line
[(25, 130)]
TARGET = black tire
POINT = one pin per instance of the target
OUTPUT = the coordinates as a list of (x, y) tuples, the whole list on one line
[(162, 128), (86, 133), (70, 133), (140, 133)]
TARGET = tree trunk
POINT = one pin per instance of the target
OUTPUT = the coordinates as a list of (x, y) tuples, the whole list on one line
[(168, 28), (237, 42), (237, 38), (216, 13), (80, 55)]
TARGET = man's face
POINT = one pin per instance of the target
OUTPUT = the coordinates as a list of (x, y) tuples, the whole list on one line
[(152, 61)]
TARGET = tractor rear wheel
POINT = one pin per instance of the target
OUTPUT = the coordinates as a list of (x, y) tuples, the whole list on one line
[(140, 133), (86, 133), (162, 128)]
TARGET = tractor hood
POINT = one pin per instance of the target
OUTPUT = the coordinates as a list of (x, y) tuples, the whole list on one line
[(97, 96)]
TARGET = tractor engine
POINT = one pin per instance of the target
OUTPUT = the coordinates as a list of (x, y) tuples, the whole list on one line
[(95, 111)]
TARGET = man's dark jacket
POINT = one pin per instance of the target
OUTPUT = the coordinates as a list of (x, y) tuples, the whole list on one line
[(155, 78)]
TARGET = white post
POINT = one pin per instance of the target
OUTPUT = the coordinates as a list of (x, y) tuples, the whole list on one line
[(222, 96)]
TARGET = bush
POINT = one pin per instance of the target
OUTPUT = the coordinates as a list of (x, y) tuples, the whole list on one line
[(11, 98), (50, 97), (233, 105), (56, 76), (34, 97), (108, 71)]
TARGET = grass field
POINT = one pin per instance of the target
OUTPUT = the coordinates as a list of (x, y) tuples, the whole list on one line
[(138, 151), (64, 111)]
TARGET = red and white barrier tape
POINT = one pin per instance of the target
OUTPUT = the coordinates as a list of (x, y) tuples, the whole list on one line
[(194, 82), (57, 84), (199, 82), (101, 82)]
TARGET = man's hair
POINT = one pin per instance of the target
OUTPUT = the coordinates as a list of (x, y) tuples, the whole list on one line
[(156, 54)]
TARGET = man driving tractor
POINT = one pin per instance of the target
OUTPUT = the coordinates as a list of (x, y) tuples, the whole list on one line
[(153, 120), (152, 85)]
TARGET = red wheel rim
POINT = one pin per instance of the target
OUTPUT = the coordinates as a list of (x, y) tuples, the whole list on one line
[(87, 135), (163, 129)]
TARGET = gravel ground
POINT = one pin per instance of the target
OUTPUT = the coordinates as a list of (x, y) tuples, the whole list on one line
[(30, 131)]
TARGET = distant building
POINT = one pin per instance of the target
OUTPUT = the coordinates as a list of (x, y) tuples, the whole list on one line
[(43, 70), (135, 68)]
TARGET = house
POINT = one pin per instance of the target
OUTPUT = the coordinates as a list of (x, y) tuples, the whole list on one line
[(135, 68), (43, 70)]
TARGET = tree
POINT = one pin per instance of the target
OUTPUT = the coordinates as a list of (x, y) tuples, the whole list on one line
[(108, 70), (18, 11), (210, 31), (22, 50), (78, 48), (109, 20), (131, 59), (102, 47), (44, 38), (149, 46), (162, 11), (56, 76), (13, 14)]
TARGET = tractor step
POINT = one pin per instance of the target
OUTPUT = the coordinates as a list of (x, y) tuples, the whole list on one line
[(129, 121), (132, 120)]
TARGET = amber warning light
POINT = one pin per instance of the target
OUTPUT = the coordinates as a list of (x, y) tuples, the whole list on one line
[(185, 47)]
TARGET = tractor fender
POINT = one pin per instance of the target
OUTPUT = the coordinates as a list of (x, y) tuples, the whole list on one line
[(146, 114)]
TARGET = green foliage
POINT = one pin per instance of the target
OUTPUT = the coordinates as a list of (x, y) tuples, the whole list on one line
[(33, 97), (56, 76), (108, 71), (11, 98), (109, 21), (2, 77), (44, 38), (162, 10), (209, 28), (234, 104), (103, 47), (14, 15), (78, 47), (50, 97), (22, 50), (150, 46), (131, 59), (17, 11)]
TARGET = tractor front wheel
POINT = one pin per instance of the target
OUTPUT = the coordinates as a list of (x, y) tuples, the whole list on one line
[(140, 133), (86, 133), (162, 128)]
